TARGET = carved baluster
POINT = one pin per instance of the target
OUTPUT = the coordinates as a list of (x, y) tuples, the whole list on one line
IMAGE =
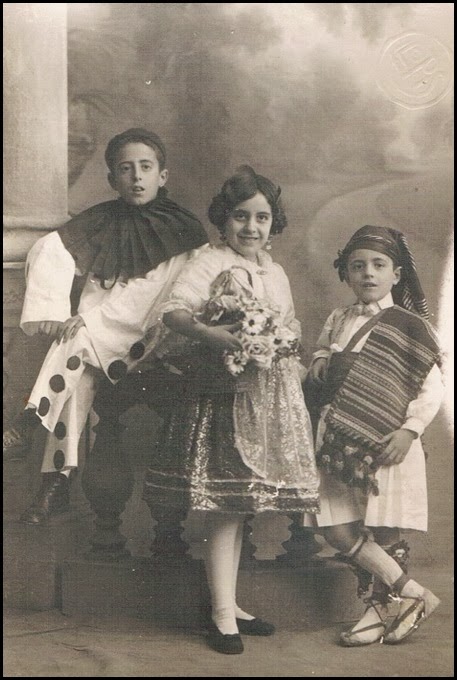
[(301, 545), (247, 548), (107, 481), (167, 541)]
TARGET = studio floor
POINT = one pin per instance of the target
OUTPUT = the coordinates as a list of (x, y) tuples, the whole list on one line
[(49, 644)]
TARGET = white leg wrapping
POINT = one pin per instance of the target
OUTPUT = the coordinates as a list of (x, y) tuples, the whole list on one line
[(376, 561)]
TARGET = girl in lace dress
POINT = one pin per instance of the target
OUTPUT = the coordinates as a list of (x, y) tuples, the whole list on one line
[(235, 445)]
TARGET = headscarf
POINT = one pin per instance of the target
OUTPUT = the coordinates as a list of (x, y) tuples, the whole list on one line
[(408, 292)]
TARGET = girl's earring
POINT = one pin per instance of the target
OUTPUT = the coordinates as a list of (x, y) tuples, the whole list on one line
[(268, 244), (223, 237)]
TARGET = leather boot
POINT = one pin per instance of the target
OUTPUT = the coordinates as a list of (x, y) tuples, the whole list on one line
[(53, 498)]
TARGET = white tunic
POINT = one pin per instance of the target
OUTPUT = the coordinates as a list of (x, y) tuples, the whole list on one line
[(49, 271), (115, 319), (402, 500)]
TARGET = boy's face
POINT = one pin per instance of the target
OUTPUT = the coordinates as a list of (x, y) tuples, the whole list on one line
[(371, 275), (137, 175)]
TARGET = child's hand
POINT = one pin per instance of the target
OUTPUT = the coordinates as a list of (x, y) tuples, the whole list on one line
[(221, 338), (317, 373), (49, 328), (69, 328), (398, 444)]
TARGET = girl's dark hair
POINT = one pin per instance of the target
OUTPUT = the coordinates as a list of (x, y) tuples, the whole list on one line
[(135, 135), (244, 184)]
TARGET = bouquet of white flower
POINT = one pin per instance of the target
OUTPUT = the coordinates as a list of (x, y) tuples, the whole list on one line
[(262, 338)]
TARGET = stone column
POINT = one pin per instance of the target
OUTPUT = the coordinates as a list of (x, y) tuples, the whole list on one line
[(35, 166)]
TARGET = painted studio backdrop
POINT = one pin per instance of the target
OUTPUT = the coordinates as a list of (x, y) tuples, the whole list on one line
[(347, 106)]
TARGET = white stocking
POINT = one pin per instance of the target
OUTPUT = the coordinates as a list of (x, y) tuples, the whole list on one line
[(239, 613), (220, 557)]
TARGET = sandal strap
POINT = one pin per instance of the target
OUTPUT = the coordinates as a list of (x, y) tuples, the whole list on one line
[(372, 626), (379, 624), (374, 604), (399, 619)]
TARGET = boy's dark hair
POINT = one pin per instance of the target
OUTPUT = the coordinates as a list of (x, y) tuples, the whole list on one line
[(135, 135), (243, 185)]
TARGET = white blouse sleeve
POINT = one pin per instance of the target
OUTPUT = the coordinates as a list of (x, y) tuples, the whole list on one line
[(422, 410), (325, 339), (49, 271), (192, 288), (290, 320)]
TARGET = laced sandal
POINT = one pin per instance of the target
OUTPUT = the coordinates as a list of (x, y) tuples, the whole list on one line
[(349, 638), (409, 619)]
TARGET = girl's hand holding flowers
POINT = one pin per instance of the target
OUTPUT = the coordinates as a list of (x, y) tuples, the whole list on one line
[(224, 337), (257, 337)]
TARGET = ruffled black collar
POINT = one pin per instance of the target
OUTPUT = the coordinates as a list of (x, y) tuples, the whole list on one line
[(115, 240)]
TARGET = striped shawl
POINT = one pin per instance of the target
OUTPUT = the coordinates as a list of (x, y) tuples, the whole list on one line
[(372, 402)]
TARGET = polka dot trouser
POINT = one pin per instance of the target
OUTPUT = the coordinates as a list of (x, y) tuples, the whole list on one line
[(63, 395), (59, 376), (61, 450)]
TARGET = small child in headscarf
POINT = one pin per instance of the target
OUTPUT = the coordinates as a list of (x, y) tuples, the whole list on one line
[(124, 254), (377, 386)]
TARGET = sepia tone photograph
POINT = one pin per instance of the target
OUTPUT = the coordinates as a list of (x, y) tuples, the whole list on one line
[(228, 340)]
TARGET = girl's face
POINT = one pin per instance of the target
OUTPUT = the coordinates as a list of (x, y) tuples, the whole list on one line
[(371, 275), (248, 226)]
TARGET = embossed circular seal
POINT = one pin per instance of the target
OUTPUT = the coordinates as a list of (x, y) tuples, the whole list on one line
[(415, 70)]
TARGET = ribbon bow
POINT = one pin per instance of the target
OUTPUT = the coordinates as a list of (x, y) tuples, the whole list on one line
[(361, 309)]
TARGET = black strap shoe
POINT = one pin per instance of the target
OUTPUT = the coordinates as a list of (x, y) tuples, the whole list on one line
[(53, 498), (225, 644), (255, 627)]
